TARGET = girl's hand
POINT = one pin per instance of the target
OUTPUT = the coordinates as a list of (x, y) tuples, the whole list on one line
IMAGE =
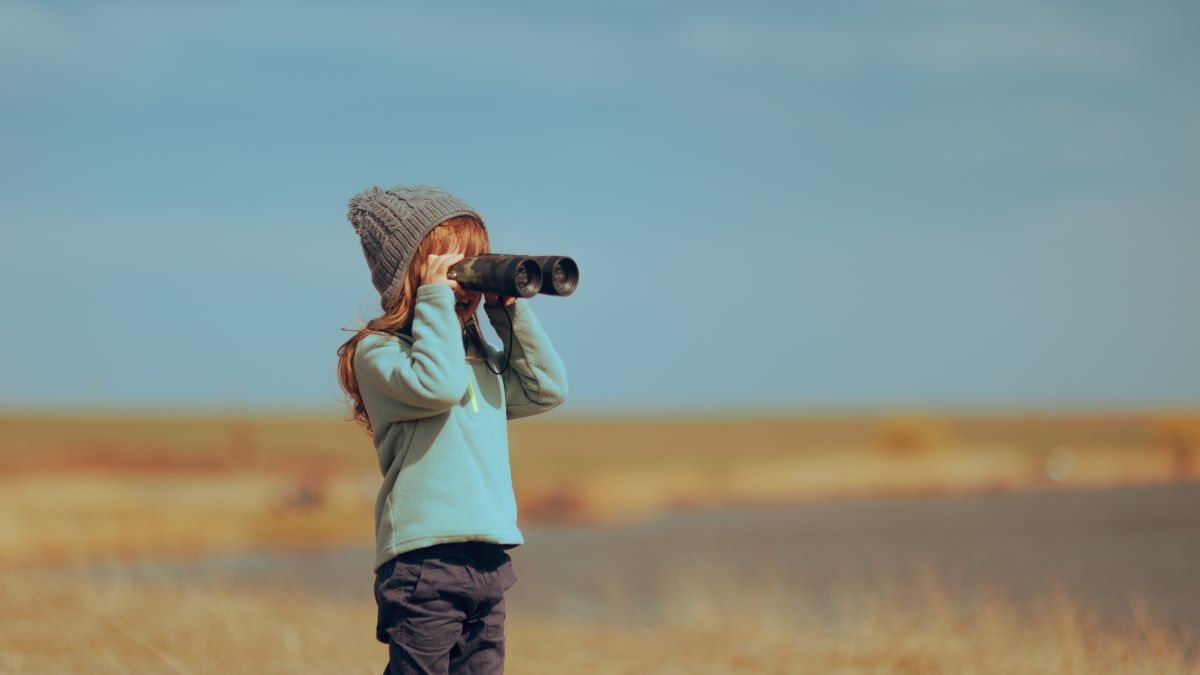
[(494, 300), (436, 267)]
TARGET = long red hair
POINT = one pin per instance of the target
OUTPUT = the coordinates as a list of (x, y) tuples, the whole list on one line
[(464, 232)]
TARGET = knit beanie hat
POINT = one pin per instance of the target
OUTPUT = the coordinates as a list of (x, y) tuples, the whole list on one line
[(392, 223)]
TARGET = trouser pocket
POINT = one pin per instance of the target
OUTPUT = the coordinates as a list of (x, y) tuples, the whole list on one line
[(421, 601), (394, 584)]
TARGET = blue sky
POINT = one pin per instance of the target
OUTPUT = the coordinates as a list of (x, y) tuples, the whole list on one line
[(774, 206)]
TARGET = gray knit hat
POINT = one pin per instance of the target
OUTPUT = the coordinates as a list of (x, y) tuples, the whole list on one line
[(392, 223)]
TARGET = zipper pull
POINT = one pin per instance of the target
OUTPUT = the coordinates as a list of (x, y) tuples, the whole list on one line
[(471, 386)]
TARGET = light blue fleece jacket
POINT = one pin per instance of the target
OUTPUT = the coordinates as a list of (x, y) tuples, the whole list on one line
[(440, 423)]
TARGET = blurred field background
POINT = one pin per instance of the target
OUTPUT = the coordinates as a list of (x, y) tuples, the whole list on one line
[(136, 492), (128, 486)]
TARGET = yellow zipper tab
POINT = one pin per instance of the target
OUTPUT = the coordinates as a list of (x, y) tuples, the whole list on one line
[(471, 386)]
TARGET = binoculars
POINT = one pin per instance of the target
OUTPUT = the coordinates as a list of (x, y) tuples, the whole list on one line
[(516, 275)]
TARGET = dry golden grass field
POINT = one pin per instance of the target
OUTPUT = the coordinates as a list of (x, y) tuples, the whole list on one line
[(57, 625), (80, 489)]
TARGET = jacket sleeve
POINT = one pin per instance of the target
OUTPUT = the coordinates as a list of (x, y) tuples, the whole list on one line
[(537, 379), (425, 378)]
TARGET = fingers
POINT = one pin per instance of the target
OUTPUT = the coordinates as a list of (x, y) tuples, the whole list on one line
[(437, 266), (496, 300), (431, 268), (449, 259)]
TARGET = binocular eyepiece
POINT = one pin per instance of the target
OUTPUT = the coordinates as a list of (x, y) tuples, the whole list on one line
[(516, 275)]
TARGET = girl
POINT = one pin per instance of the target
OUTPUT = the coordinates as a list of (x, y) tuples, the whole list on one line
[(436, 397)]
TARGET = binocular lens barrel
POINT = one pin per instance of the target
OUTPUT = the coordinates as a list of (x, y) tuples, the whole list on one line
[(511, 275), (516, 275), (561, 272)]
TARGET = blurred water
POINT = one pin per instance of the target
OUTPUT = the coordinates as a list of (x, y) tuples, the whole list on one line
[(1099, 546)]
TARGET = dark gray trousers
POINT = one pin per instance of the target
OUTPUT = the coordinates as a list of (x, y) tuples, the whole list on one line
[(441, 609)]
